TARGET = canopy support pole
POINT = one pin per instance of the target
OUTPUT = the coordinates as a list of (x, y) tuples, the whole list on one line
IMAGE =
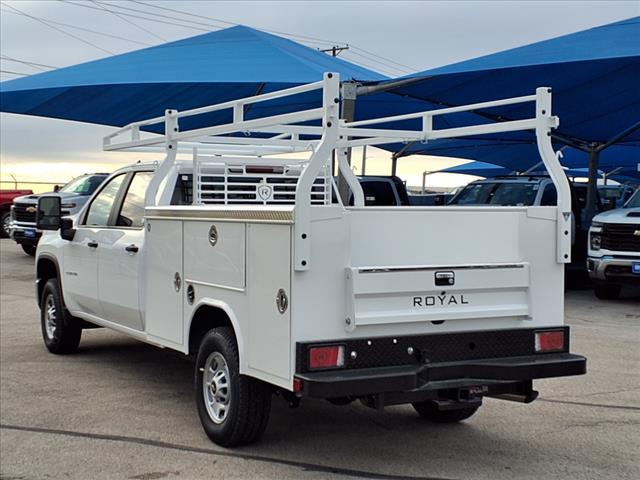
[(364, 160), (349, 94), (594, 160)]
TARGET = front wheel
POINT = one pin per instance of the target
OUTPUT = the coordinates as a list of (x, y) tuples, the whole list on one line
[(429, 410), (5, 220), (234, 409), (60, 331), (29, 249)]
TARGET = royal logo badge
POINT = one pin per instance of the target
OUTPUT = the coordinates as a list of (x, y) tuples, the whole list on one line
[(265, 192)]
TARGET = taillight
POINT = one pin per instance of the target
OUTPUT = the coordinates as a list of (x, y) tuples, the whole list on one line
[(549, 341), (327, 356)]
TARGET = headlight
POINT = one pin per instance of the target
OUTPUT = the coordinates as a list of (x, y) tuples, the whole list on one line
[(595, 235)]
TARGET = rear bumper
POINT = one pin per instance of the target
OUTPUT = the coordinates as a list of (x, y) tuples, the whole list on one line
[(433, 377)]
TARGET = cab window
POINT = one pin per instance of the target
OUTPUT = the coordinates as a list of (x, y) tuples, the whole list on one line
[(132, 211), (100, 208)]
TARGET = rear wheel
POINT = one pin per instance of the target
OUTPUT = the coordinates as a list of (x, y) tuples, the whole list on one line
[(60, 331), (234, 409), (5, 219), (606, 291), (429, 410), (29, 249)]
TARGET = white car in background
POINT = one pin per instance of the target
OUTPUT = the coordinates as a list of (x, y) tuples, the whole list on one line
[(614, 249)]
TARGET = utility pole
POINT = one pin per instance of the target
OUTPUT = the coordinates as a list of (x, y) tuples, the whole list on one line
[(335, 50)]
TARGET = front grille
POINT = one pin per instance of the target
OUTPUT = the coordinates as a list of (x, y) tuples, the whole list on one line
[(439, 347), (621, 237), (20, 213)]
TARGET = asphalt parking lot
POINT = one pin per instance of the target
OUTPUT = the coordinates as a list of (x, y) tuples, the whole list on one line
[(124, 410)]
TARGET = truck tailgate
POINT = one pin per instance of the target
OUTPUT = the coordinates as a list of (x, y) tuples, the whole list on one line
[(437, 292)]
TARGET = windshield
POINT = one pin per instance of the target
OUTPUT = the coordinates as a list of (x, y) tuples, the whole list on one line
[(634, 202), (503, 193), (84, 185)]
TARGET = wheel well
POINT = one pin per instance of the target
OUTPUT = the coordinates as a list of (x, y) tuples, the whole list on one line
[(46, 270), (204, 319)]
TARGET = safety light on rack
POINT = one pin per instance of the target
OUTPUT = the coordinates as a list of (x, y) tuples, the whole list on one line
[(326, 356), (549, 341)]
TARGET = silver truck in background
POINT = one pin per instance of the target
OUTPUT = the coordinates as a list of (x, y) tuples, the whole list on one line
[(73, 195)]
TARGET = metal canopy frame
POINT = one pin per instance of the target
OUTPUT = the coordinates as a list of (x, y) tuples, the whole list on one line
[(283, 134)]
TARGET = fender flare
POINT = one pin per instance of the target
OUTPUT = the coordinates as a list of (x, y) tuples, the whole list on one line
[(226, 308)]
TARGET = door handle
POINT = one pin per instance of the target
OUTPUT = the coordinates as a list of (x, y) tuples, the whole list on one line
[(131, 248), (92, 244)]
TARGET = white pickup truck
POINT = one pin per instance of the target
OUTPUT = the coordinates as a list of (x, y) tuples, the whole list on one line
[(252, 264), (614, 249)]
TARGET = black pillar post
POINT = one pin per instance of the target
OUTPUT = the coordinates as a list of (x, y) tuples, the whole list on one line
[(349, 92), (594, 158)]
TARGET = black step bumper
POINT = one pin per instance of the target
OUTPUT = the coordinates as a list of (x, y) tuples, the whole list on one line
[(440, 376)]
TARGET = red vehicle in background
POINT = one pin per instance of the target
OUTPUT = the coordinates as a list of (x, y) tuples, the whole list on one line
[(6, 200)]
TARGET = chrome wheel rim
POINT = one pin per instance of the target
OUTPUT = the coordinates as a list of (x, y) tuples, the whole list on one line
[(50, 317), (216, 387)]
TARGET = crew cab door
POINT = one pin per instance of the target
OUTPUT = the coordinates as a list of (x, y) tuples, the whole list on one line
[(119, 260), (80, 275)]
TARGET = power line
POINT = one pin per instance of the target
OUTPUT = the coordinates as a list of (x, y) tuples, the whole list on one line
[(15, 73), (291, 35), (80, 39), (124, 19), (381, 59), (81, 28), (138, 16), (410, 69), (24, 62)]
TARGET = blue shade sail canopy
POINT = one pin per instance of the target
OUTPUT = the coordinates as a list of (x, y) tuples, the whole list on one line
[(594, 75), (478, 169), (206, 69)]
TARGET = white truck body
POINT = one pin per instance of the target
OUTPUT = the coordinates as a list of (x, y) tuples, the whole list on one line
[(266, 247)]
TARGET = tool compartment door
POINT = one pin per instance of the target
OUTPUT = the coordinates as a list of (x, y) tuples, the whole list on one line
[(268, 271)]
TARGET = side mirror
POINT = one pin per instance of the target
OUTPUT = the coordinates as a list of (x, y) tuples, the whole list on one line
[(49, 213), (56, 188)]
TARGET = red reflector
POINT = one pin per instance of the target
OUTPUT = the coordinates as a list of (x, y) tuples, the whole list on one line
[(550, 341), (297, 385), (326, 357)]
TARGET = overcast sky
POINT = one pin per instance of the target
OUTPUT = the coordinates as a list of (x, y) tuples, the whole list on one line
[(414, 35)]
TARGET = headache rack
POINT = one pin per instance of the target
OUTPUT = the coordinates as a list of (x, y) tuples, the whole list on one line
[(242, 181), (234, 163)]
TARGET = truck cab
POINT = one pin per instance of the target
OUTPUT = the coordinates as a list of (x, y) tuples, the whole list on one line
[(614, 249), (256, 266)]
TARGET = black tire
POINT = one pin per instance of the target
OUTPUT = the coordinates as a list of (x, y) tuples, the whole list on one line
[(429, 410), (606, 291), (5, 218), (249, 400), (29, 249), (60, 331)]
